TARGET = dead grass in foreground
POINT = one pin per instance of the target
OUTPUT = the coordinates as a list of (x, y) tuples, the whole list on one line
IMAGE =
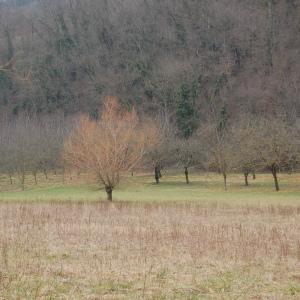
[(148, 251)]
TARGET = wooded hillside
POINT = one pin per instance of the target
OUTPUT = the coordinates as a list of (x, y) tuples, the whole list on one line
[(168, 56)]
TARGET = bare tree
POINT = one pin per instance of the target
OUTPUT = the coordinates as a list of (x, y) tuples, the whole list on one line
[(243, 138), (30, 144), (161, 155), (114, 144), (187, 154), (217, 148), (6, 159), (276, 146), (20, 134)]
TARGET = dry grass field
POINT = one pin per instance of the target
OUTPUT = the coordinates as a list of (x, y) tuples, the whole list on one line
[(158, 242), (149, 251)]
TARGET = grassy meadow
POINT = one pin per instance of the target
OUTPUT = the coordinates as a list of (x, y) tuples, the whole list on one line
[(158, 242), (205, 188)]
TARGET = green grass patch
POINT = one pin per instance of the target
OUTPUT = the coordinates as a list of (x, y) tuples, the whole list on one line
[(204, 188)]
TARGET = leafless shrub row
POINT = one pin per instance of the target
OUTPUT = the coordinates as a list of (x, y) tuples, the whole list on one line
[(119, 141)]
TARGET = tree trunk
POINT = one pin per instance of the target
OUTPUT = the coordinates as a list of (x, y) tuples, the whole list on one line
[(156, 174), (186, 172), (23, 182), (159, 172), (270, 35), (45, 173), (253, 176), (35, 179), (246, 178), (10, 179), (225, 180), (109, 190), (63, 175), (22, 177), (274, 173)]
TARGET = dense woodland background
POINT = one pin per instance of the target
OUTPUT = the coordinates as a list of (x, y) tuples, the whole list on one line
[(226, 73), (163, 56)]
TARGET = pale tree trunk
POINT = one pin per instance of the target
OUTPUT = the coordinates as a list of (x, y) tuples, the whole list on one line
[(45, 173), (34, 175), (22, 179), (63, 175), (10, 179)]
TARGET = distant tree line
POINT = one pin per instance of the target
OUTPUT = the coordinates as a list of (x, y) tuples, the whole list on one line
[(120, 141), (31, 145), (247, 145)]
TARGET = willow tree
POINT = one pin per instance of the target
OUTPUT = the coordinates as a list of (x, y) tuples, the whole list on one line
[(110, 146)]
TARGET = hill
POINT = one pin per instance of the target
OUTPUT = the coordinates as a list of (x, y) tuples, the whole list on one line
[(163, 56)]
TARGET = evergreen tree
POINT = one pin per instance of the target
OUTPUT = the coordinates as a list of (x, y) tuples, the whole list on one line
[(186, 111)]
